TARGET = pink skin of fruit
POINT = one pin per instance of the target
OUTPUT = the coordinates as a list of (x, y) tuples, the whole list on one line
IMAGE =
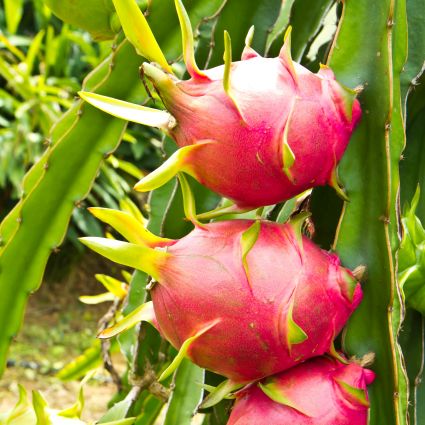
[(271, 100), (321, 391), (284, 304)]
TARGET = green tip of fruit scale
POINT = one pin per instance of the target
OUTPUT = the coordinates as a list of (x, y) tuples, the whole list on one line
[(348, 97), (143, 313), (189, 204), (288, 156), (130, 111), (129, 227), (137, 256), (272, 390), (249, 36), (333, 182), (184, 349), (248, 239), (294, 333), (336, 355), (188, 42), (222, 391), (227, 57), (353, 394), (348, 284), (177, 162), (297, 224), (286, 57)]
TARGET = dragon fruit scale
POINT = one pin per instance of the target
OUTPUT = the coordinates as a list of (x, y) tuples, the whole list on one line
[(258, 131), (243, 298), (321, 391)]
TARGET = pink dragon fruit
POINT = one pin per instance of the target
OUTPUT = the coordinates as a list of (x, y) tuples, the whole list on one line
[(279, 131), (258, 131), (243, 298), (321, 391)]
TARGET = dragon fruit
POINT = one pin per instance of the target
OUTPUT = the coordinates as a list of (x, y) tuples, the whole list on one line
[(243, 298), (258, 131), (321, 391)]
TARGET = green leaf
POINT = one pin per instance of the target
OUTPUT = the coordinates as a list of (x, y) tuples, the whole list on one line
[(95, 16), (40, 408), (115, 286), (13, 11), (97, 299), (89, 360)]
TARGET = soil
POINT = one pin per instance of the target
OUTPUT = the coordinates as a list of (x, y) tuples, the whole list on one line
[(56, 329)]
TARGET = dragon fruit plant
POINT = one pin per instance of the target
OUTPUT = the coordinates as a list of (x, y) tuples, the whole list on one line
[(231, 136), (258, 131), (243, 298), (321, 391)]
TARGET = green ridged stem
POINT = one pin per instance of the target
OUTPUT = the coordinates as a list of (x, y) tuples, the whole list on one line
[(367, 232)]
